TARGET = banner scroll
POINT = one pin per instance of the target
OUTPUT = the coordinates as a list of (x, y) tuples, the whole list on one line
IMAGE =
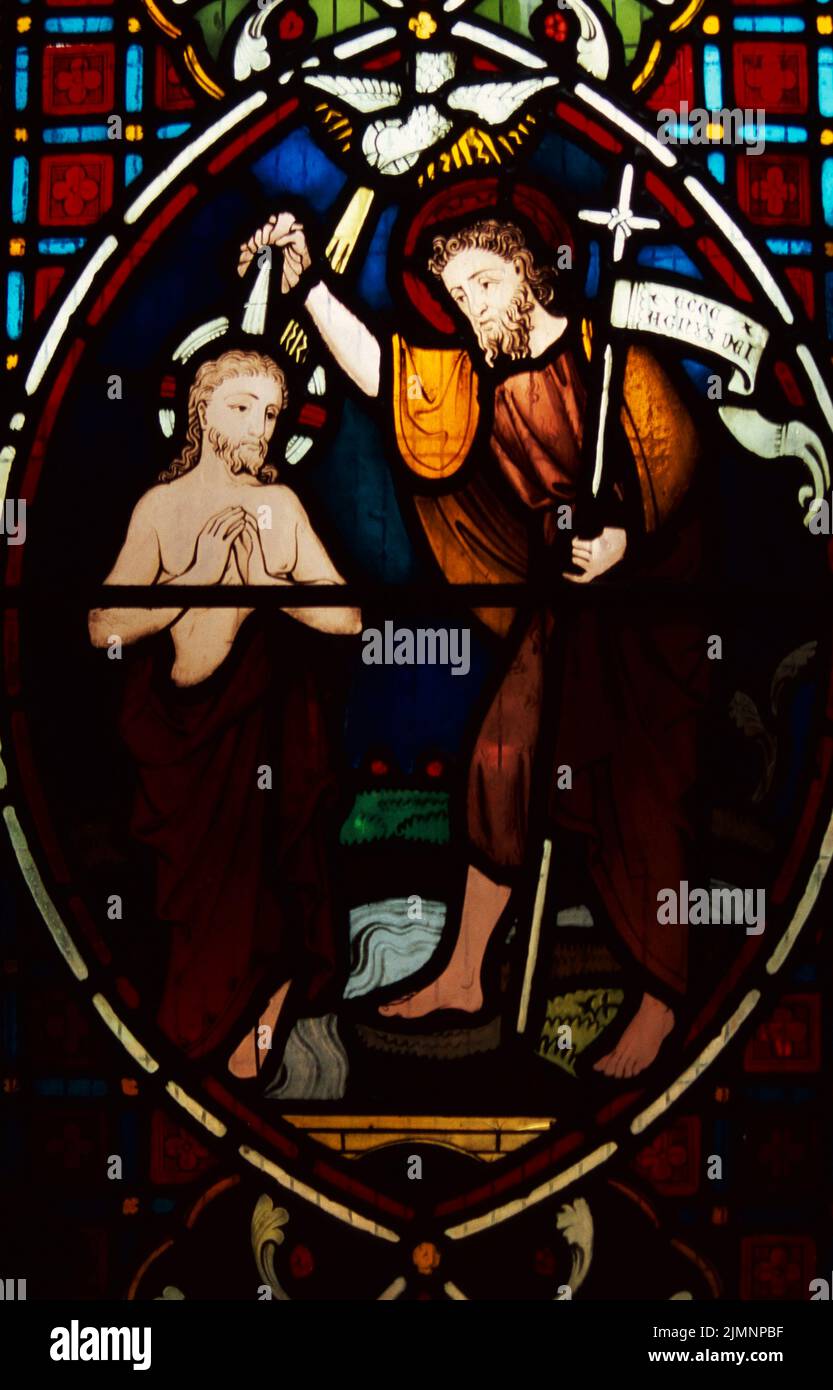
[(647, 306)]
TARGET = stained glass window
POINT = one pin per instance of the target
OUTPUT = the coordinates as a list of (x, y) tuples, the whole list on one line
[(445, 915)]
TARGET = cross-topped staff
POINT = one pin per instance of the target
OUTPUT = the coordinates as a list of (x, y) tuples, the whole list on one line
[(622, 221)]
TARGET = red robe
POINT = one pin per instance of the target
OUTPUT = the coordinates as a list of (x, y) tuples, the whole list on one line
[(631, 688), (241, 872)]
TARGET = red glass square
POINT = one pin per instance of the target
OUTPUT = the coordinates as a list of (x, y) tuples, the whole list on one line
[(671, 1162), (774, 189), (170, 91), (789, 1039), (78, 79), (75, 189), (777, 1267), (771, 76)]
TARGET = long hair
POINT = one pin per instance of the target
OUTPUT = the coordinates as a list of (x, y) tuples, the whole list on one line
[(503, 239), (209, 376)]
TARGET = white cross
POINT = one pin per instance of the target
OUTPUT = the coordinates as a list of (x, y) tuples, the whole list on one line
[(621, 220)]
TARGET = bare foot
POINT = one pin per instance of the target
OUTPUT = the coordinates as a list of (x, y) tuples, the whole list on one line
[(458, 987), (641, 1040), (244, 1061), (445, 993)]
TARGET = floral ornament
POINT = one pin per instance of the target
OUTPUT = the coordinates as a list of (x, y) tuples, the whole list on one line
[(664, 1158), (575, 1223), (778, 1272), (188, 1154), (774, 191), (75, 190), (267, 1235), (787, 1035), (78, 80)]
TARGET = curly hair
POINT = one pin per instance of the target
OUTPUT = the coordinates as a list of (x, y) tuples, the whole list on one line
[(209, 376), (503, 239)]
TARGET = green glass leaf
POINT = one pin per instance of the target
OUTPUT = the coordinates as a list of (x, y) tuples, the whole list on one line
[(336, 15), (629, 17), (215, 19), (514, 14)]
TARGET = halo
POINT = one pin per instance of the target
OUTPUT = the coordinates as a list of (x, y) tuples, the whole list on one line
[(173, 390), (478, 198)]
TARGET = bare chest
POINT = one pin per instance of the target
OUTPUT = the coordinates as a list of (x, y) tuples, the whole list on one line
[(179, 527)]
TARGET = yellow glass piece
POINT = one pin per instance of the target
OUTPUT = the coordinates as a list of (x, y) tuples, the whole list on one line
[(435, 407), (828, 248), (198, 72), (120, 1030), (825, 24), (827, 137), (24, 24), (653, 58), (343, 241), (12, 360), (475, 146), (683, 20), (21, 134), (134, 132), (423, 24), (195, 1109), (17, 246), (158, 18), (497, 1132), (133, 26), (295, 340), (711, 24), (587, 338), (714, 131)]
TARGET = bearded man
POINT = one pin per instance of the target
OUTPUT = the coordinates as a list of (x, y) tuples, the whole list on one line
[(622, 716), (218, 706)]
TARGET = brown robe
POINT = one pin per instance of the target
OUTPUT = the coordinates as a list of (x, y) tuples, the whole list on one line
[(631, 686), (241, 874)]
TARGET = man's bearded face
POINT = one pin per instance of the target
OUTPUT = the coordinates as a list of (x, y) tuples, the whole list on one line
[(508, 332), (248, 456), (495, 298), (240, 420)]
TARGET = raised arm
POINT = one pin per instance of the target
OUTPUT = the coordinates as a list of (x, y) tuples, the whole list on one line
[(350, 341)]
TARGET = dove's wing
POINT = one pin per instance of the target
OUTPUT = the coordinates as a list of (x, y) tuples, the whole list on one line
[(362, 93), (495, 102)]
